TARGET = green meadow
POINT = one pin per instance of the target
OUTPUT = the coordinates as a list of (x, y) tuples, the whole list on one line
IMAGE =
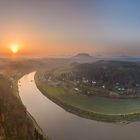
[(99, 108)]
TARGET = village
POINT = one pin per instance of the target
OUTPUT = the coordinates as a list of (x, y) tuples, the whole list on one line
[(92, 87)]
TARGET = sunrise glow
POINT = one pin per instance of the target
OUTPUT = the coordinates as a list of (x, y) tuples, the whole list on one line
[(14, 48)]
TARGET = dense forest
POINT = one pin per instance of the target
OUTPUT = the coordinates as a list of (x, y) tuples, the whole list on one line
[(110, 72), (15, 124), (119, 76)]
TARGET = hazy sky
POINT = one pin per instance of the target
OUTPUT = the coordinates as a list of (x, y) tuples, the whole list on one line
[(64, 27)]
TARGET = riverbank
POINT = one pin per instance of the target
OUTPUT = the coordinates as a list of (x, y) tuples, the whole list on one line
[(13, 118), (85, 106), (38, 131)]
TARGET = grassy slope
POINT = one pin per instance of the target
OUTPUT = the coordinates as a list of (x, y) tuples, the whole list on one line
[(95, 104), (114, 110)]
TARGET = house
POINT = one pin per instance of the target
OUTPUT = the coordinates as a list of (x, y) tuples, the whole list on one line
[(76, 89), (103, 86), (94, 82), (49, 79)]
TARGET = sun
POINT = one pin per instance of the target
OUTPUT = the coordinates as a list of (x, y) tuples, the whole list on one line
[(14, 48)]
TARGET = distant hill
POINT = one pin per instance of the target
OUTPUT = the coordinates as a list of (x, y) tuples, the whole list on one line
[(125, 58), (83, 55), (83, 58), (130, 58)]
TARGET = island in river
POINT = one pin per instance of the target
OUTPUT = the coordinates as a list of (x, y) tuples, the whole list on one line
[(103, 90)]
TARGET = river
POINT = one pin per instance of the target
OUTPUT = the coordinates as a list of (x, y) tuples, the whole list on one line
[(61, 125)]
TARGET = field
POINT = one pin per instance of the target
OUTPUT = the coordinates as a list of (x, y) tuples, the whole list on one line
[(99, 108), (95, 104)]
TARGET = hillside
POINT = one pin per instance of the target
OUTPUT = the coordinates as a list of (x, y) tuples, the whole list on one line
[(111, 72), (15, 124), (82, 90), (83, 58), (116, 76)]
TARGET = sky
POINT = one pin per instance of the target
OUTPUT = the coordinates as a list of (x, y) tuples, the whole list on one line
[(67, 27)]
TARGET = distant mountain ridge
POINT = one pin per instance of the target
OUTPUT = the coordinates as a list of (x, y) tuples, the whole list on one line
[(83, 55), (83, 58)]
